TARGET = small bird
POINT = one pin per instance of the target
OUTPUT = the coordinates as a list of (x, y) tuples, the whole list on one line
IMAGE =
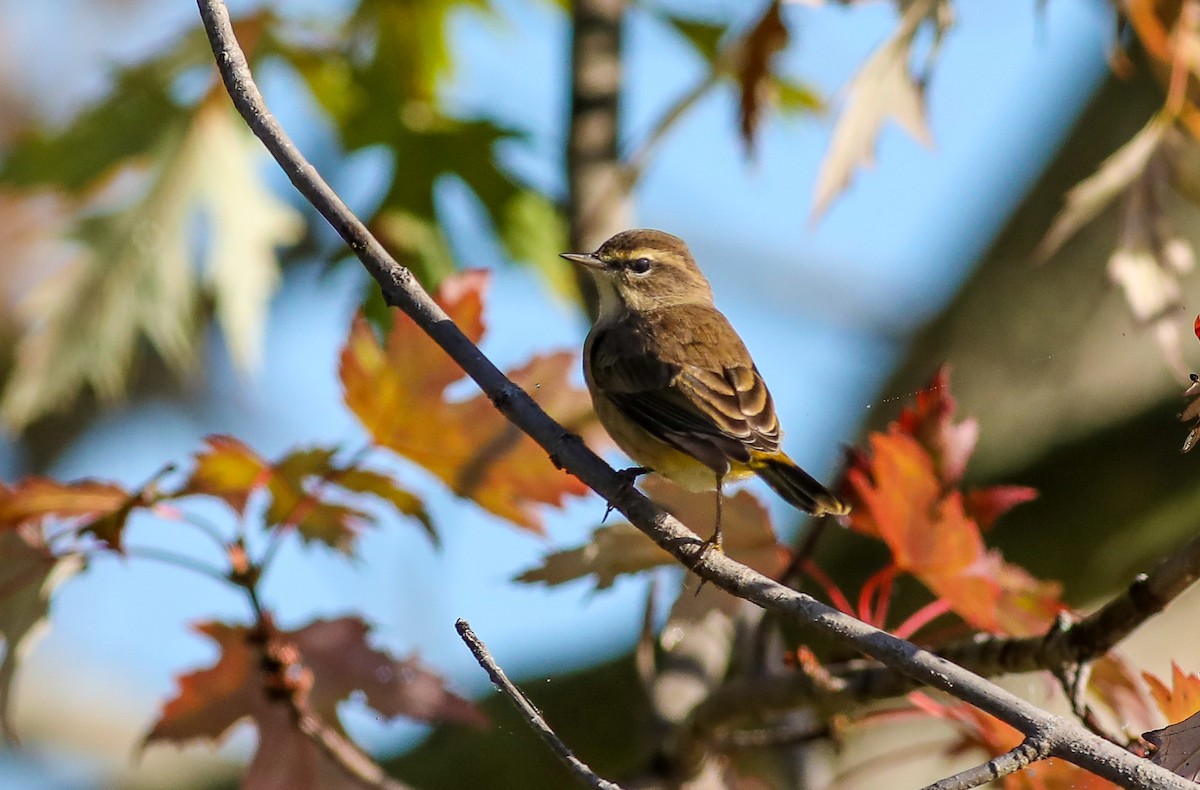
[(672, 382)]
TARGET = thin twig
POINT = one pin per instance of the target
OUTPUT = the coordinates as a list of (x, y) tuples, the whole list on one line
[(171, 558), (1022, 755), (1070, 740), (533, 716), (790, 733), (637, 160), (208, 528)]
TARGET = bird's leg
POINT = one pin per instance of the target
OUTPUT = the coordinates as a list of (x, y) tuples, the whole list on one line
[(716, 541), (631, 475)]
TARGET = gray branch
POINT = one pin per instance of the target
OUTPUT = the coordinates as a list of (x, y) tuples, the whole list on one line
[(1066, 738), (533, 716), (1020, 756)]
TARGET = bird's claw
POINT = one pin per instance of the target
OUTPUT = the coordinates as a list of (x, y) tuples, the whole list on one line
[(631, 475)]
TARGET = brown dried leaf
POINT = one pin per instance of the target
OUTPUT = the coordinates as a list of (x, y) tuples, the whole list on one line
[(768, 37), (1178, 747), (621, 548), (210, 701), (29, 574), (883, 88), (1090, 196)]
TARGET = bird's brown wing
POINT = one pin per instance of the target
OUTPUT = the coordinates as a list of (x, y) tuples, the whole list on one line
[(685, 377)]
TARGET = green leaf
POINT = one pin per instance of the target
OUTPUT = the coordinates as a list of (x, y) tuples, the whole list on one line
[(705, 37), (394, 55), (136, 277), (132, 120), (417, 243), (793, 97), (534, 232)]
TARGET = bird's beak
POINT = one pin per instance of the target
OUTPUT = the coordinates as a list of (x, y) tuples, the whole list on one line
[(587, 259)]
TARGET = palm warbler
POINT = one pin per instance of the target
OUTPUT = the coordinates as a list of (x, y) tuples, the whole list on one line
[(672, 382)]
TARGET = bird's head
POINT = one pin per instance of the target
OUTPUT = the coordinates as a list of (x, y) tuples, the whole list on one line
[(644, 270)]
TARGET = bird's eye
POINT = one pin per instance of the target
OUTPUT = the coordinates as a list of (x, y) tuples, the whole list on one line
[(639, 265)]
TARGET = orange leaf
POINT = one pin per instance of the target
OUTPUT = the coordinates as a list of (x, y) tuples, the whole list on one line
[(227, 469), (901, 496), (210, 701), (37, 498), (1179, 701), (397, 391), (101, 508), (367, 481), (931, 422)]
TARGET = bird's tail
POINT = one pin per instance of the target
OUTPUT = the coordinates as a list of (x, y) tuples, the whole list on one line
[(796, 486)]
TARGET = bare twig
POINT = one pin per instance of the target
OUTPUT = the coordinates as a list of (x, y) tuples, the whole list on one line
[(1022, 755), (172, 558), (1068, 739), (637, 159), (789, 733), (533, 716)]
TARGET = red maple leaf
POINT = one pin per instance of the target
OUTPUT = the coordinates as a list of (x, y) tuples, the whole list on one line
[(904, 492), (211, 701)]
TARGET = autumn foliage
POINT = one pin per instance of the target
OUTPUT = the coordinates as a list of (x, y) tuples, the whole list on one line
[(89, 208), (905, 482)]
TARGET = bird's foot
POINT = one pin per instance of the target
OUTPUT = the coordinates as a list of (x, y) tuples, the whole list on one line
[(631, 475), (715, 543)]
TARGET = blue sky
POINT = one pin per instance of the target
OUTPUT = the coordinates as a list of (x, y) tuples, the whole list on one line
[(824, 308)]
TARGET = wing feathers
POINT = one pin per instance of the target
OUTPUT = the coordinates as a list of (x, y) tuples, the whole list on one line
[(685, 376)]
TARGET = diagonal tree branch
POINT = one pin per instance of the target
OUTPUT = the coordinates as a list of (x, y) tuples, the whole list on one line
[(1020, 756), (1068, 643), (533, 716), (1066, 738)]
